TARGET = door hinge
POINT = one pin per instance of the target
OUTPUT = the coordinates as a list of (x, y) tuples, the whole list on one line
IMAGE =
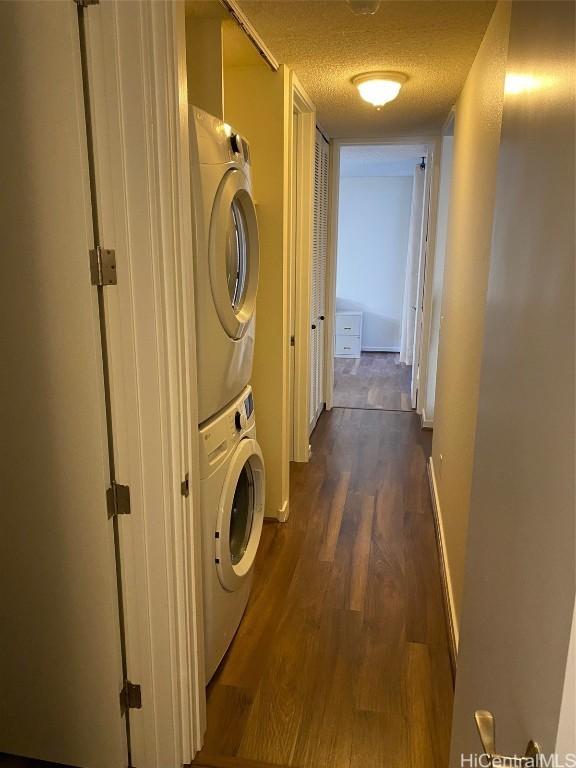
[(103, 266), (130, 697), (86, 3), (185, 486), (118, 499), (292, 341)]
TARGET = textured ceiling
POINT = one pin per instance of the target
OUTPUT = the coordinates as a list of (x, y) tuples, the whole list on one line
[(399, 160), (432, 42)]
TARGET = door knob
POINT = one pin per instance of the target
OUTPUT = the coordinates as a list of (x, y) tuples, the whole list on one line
[(486, 725), (321, 317)]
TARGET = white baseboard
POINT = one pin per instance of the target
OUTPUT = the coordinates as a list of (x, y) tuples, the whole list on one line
[(451, 617), (426, 422), (380, 349), (281, 514)]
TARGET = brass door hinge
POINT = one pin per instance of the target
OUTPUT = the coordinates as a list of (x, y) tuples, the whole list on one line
[(118, 500), (130, 697), (103, 266)]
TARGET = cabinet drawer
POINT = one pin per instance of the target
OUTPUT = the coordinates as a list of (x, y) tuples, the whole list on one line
[(348, 325), (347, 346)]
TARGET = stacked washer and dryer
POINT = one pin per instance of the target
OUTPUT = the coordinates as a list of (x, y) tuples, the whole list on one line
[(231, 465)]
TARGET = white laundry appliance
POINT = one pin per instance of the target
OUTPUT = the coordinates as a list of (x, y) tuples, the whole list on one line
[(226, 260), (232, 488)]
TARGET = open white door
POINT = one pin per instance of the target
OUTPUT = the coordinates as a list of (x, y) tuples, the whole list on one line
[(519, 588), (60, 655), (318, 267), (414, 282), (422, 276)]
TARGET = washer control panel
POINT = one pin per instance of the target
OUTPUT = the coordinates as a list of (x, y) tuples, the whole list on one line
[(221, 434), (244, 413)]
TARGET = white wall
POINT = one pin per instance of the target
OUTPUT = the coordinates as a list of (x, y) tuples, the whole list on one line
[(373, 224), (478, 114), (438, 275), (519, 587)]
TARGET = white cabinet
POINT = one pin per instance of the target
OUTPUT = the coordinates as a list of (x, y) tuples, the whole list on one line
[(348, 336)]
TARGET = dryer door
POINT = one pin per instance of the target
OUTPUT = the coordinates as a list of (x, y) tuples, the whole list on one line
[(234, 253), (240, 515)]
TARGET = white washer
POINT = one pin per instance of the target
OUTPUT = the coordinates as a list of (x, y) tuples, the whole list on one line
[(226, 260), (232, 488)]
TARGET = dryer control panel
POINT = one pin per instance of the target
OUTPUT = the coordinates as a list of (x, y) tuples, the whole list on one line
[(217, 141), (243, 414)]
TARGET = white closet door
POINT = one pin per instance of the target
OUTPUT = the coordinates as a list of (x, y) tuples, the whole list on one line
[(322, 275), (60, 659), (317, 308)]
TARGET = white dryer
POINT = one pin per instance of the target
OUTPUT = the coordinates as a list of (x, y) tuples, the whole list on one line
[(226, 260), (232, 486)]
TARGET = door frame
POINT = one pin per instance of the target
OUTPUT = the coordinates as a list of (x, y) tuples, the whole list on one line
[(430, 199), (429, 275), (137, 67), (300, 230), (425, 271)]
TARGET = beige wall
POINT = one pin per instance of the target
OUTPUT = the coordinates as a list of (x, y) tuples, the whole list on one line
[(476, 143), (521, 550), (257, 104), (229, 79), (204, 52)]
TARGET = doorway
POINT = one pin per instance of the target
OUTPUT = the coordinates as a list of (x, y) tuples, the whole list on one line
[(301, 224), (378, 263)]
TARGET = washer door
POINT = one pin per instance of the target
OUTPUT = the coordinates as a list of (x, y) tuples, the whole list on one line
[(240, 515), (234, 254)]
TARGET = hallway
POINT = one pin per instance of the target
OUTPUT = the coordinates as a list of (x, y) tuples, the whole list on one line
[(375, 380), (342, 659)]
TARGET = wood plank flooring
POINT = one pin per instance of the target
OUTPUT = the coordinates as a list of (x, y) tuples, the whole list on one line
[(374, 380), (342, 658)]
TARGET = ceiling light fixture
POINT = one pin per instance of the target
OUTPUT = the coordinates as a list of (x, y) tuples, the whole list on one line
[(378, 88), (364, 7)]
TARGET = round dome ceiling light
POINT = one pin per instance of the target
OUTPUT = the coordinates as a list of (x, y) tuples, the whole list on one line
[(378, 88), (364, 7)]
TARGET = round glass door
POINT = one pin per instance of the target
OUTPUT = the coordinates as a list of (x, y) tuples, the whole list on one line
[(234, 254), (240, 515)]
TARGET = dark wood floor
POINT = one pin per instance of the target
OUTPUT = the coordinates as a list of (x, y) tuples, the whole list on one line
[(8, 761), (374, 380), (342, 658)]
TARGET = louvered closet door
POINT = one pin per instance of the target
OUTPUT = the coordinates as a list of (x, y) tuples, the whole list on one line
[(317, 308)]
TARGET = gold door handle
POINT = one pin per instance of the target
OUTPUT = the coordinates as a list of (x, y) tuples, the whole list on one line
[(486, 725)]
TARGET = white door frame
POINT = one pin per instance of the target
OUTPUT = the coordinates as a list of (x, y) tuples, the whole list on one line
[(137, 66), (425, 271), (300, 229), (331, 261), (429, 274)]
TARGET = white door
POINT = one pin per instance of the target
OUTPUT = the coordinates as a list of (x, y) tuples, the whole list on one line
[(240, 515), (321, 336), (318, 292), (421, 287), (519, 588), (295, 224), (60, 657)]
